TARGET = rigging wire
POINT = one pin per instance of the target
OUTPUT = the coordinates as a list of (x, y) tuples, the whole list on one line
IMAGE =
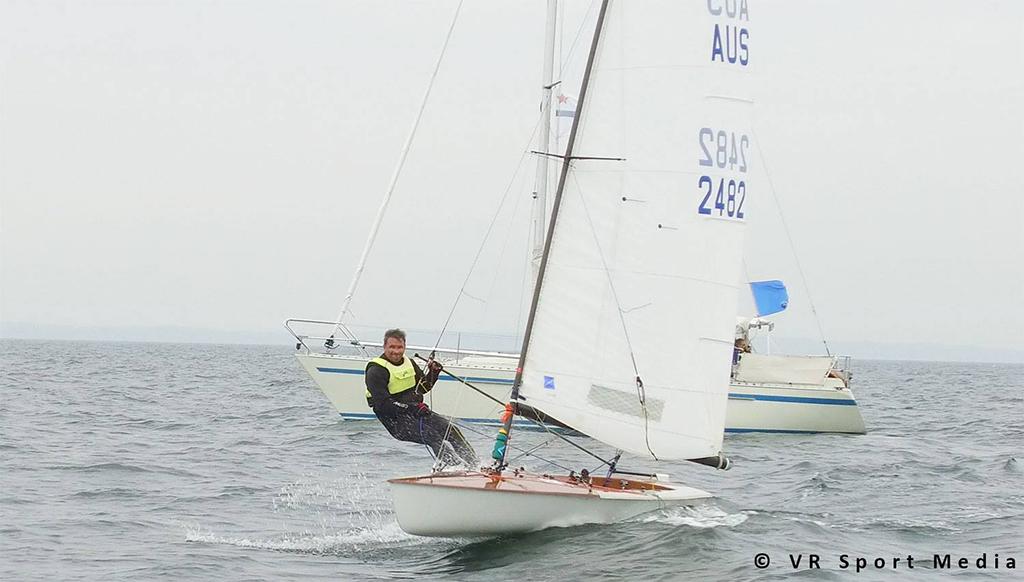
[(483, 244), (540, 423), (640, 392), (576, 39), (789, 237), (394, 180), (524, 452), (448, 428), (531, 451), (523, 297), (563, 437), (546, 255), (501, 256), (545, 111), (490, 227), (561, 37)]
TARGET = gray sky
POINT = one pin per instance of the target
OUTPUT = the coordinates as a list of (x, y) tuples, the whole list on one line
[(216, 165)]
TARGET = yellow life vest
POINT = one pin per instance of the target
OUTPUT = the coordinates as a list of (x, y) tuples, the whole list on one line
[(403, 376)]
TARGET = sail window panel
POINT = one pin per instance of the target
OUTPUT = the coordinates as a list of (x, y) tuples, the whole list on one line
[(624, 402), (685, 428)]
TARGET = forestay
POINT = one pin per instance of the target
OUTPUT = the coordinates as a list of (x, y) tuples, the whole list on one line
[(645, 254)]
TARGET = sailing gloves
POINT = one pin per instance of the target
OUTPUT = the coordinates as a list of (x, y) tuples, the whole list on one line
[(420, 409)]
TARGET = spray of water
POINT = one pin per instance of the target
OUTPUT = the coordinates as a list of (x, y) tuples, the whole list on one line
[(701, 516), (320, 514)]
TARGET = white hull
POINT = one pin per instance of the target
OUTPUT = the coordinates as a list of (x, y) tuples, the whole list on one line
[(752, 407), (476, 504), (792, 409)]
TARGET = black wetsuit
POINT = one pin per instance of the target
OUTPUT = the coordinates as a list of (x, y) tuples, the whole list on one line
[(399, 414)]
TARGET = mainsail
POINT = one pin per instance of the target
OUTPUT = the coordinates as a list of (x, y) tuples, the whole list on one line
[(631, 331)]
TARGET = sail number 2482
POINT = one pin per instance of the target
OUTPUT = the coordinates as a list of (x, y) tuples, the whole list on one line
[(724, 196), (729, 197)]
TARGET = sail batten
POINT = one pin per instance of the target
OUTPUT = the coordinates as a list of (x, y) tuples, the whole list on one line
[(631, 328)]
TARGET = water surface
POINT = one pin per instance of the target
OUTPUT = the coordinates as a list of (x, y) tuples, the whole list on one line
[(123, 461)]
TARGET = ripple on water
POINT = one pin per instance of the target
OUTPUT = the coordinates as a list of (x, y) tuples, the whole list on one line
[(114, 467)]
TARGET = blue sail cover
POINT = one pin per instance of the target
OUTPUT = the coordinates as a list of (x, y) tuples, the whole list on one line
[(770, 296)]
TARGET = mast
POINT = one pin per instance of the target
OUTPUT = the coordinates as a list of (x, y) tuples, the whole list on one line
[(540, 189), (566, 162)]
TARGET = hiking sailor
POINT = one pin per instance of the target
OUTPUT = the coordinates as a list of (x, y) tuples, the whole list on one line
[(395, 386)]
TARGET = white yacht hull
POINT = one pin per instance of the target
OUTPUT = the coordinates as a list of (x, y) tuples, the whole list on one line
[(752, 407), (792, 409), (478, 504)]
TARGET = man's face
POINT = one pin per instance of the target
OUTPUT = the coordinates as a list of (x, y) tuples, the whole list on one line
[(394, 350)]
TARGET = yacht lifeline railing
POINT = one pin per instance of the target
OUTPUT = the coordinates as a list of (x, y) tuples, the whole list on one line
[(332, 343), (843, 367)]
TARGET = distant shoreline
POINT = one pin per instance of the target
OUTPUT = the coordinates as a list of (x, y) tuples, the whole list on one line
[(858, 350)]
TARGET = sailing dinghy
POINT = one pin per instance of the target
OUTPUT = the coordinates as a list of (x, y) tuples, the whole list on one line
[(490, 504), (648, 209)]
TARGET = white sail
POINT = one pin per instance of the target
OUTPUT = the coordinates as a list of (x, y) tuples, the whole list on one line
[(644, 261)]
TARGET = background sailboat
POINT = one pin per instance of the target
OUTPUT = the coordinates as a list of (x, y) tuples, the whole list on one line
[(765, 395)]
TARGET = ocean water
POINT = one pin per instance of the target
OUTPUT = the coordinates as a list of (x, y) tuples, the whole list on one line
[(123, 461)]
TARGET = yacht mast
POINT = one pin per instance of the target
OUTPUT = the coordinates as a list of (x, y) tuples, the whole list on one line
[(540, 189)]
